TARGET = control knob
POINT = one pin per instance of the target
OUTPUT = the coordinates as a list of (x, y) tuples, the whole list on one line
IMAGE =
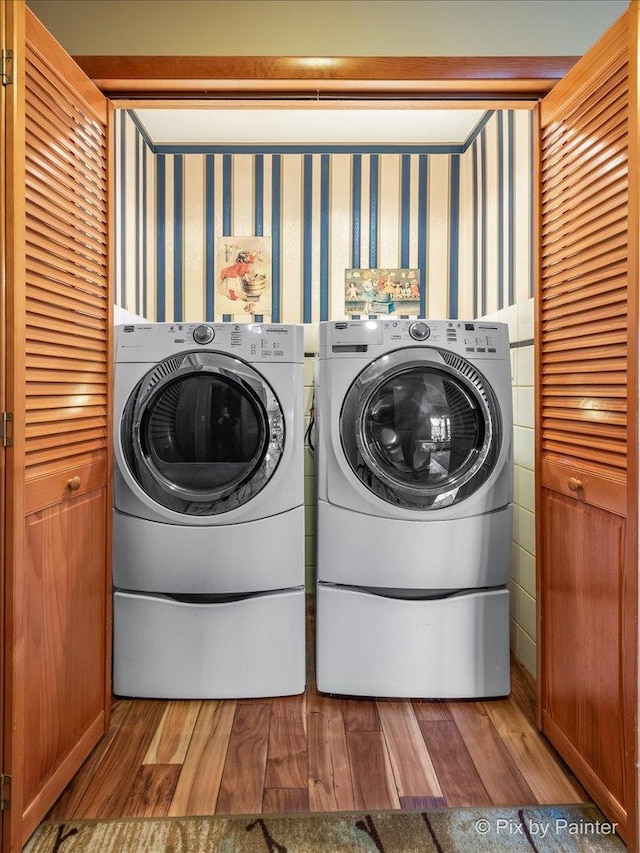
[(203, 334), (419, 331)]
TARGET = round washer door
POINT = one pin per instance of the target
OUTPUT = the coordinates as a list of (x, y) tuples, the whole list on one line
[(420, 428), (202, 433)]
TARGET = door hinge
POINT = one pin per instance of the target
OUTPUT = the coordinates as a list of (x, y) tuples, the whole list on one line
[(5, 429), (5, 791), (6, 66)]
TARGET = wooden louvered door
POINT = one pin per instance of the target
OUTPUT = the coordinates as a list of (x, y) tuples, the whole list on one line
[(586, 427), (59, 364)]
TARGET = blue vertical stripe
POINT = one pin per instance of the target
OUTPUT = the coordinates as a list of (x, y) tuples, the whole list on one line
[(500, 157), (276, 205), (474, 168), (423, 229), (121, 297), (374, 184), (178, 236), (405, 210), (325, 201), (258, 194), (138, 229), (307, 227), (210, 281), (161, 230), (511, 210), (533, 197), (227, 189), (454, 234), (484, 206), (356, 205)]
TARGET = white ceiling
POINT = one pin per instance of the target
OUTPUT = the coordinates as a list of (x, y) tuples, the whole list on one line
[(305, 126)]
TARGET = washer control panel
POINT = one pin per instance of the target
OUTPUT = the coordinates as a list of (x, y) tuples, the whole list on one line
[(469, 338), (266, 342)]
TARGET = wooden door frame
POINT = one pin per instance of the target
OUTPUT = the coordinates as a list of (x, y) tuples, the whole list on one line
[(391, 77)]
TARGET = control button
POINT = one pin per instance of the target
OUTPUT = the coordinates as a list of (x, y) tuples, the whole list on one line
[(266, 352), (419, 331), (491, 349), (469, 349), (278, 352), (203, 334), (469, 327), (480, 349)]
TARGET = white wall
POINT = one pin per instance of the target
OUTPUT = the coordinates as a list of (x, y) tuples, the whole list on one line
[(328, 27)]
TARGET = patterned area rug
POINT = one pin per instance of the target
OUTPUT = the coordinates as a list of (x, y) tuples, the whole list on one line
[(532, 828)]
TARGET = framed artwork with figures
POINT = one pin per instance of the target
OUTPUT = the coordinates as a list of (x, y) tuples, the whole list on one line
[(386, 292), (243, 278)]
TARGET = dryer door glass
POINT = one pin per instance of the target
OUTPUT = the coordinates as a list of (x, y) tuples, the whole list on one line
[(418, 433), (203, 437)]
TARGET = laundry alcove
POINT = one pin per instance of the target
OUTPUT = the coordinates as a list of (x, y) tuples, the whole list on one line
[(310, 292)]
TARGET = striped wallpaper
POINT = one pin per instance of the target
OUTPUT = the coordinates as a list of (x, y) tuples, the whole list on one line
[(462, 215)]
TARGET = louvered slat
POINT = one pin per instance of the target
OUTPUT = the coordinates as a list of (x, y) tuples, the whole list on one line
[(583, 296), (67, 287)]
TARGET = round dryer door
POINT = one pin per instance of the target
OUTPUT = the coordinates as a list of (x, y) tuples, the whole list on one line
[(420, 428), (202, 433)]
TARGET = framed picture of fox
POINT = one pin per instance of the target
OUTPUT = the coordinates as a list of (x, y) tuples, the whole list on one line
[(243, 278)]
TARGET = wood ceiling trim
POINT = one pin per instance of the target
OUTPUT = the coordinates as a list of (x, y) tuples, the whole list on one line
[(390, 76)]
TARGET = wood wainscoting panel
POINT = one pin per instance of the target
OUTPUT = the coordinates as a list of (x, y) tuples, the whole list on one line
[(64, 633), (584, 563)]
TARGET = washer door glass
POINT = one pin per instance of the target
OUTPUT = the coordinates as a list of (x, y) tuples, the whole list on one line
[(420, 428), (202, 433)]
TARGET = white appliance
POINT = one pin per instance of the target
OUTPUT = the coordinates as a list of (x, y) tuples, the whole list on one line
[(208, 528), (414, 425)]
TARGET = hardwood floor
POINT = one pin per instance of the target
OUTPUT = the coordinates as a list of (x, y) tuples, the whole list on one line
[(317, 753)]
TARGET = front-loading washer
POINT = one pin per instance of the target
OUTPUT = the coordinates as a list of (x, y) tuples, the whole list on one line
[(414, 526), (208, 526)]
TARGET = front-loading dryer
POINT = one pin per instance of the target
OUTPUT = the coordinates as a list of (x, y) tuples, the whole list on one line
[(208, 529), (414, 434)]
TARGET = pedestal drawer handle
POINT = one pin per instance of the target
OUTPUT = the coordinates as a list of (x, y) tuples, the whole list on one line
[(574, 484), (74, 484)]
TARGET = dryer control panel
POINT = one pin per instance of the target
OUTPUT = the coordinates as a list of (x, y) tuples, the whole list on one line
[(253, 342), (469, 338)]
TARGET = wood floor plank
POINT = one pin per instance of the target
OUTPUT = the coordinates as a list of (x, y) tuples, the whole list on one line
[(373, 783), (412, 767), (330, 784), (531, 755), (109, 789), (360, 715), (500, 776), (430, 709), (199, 783), (285, 800), (68, 804), (152, 791), (287, 753), (171, 740), (242, 784), (459, 780)]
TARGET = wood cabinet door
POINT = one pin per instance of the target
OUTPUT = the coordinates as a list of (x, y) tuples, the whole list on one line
[(58, 367), (586, 424)]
